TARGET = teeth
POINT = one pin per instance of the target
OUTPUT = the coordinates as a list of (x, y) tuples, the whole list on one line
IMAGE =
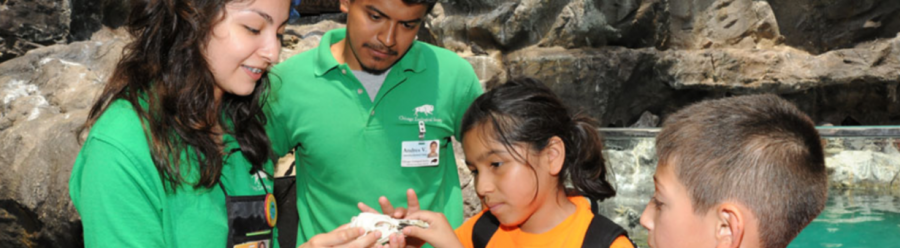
[(253, 70)]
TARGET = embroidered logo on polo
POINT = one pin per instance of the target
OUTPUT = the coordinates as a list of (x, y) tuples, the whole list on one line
[(421, 113), (256, 178), (426, 109)]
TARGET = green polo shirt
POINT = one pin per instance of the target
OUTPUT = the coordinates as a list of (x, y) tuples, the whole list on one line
[(119, 194), (349, 147)]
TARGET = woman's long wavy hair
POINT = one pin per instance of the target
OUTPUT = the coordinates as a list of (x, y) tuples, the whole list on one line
[(164, 66)]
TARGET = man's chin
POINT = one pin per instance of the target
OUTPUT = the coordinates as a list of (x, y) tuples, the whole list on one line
[(375, 70)]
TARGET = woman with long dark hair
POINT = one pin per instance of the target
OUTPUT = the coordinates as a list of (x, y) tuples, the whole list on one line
[(177, 154)]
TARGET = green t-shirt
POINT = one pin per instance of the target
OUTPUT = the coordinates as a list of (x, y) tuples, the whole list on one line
[(349, 147), (119, 194)]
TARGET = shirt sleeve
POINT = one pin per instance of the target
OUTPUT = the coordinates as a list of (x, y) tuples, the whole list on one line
[(275, 127), (119, 202), (472, 90), (621, 242)]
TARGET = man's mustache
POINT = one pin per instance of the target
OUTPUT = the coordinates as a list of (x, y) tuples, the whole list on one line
[(380, 48)]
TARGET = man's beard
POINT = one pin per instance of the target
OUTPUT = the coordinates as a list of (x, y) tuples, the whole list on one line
[(373, 47)]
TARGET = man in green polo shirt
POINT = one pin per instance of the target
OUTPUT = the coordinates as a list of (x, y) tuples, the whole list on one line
[(362, 110)]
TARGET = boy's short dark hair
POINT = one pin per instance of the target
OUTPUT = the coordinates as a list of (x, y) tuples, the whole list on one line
[(759, 150)]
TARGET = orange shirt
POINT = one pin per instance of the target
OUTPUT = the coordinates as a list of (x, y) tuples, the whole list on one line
[(569, 233)]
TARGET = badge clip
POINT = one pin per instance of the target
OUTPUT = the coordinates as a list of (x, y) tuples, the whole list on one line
[(421, 131)]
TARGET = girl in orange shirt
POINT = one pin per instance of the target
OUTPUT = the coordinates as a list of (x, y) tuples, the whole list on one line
[(522, 144)]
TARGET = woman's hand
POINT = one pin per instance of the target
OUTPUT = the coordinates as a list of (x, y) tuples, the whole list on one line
[(343, 236)]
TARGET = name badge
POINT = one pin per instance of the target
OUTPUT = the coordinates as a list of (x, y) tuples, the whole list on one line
[(420, 153)]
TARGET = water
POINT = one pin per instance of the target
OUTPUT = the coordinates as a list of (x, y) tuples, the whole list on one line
[(853, 219)]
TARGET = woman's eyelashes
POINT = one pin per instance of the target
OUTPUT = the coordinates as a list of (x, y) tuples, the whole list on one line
[(252, 30)]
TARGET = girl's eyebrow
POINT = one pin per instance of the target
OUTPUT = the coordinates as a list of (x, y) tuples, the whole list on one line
[(491, 152), (266, 16), (485, 155)]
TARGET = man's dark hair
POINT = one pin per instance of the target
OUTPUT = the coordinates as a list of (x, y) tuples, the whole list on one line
[(429, 3), (759, 150)]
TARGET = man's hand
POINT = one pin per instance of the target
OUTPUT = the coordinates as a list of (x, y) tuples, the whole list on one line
[(398, 213), (388, 209)]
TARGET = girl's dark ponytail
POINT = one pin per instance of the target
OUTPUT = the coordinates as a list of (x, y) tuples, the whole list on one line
[(584, 158), (524, 110)]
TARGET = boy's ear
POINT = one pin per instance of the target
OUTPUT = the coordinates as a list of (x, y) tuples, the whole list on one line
[(345, 6), (730, 226), (554, 155)]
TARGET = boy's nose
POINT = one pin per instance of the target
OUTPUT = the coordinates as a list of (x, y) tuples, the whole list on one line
[(647, 217)]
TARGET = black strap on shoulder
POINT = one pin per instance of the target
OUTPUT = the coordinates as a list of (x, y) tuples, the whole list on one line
[(484, 229), (602, 231)]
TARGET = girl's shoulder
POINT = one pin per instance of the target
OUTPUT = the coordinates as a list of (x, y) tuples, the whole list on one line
[(119, 124)]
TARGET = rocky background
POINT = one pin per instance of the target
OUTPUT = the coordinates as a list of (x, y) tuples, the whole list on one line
[(628, 63)]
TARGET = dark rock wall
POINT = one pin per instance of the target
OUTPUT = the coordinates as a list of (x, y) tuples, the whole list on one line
[(29, 24), (818, 26), (619, 59)]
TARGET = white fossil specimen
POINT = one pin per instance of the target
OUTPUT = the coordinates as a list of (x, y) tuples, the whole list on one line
[(385, 224)]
